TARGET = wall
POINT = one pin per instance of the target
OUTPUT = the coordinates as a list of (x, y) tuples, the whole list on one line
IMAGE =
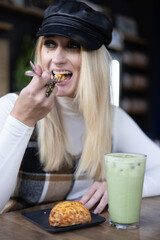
[(147, 14), (23, 24), (156, 72)]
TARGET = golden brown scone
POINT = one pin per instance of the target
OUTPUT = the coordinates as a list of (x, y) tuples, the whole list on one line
[(60, 77), (69, 213)]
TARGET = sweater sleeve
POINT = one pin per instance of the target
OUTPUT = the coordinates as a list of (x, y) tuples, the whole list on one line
[(14, 137), (128, 137)]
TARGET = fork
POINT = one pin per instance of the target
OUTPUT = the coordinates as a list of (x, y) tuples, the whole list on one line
[(50, 86)]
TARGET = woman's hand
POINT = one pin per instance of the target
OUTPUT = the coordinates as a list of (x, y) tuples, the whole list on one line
[(32, 104), (96, 195)]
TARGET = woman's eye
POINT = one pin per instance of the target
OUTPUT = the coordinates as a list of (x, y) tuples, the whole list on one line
[(49, 44), (73, 45)]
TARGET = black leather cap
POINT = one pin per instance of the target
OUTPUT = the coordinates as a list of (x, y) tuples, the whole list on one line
[(77, 21)]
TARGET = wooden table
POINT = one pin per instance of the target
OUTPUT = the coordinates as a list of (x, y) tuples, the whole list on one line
[(14, 226)]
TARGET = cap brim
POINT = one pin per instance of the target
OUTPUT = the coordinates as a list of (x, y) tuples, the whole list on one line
[(82, 38)]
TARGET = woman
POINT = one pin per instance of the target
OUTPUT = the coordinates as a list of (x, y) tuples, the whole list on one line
[(72, 122)]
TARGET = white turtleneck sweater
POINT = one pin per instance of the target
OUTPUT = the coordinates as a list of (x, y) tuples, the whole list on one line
[(127, 137)]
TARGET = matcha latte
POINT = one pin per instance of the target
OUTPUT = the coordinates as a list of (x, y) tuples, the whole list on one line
[(125, 175)]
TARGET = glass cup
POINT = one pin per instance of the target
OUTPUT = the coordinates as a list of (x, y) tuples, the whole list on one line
[(125, 176)]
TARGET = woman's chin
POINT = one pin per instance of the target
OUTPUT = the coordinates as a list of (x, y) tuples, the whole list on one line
[(62, 93), (65, 92)]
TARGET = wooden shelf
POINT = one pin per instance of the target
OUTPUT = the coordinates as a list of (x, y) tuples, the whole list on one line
[(135, 39), (138, 89), (24, 10), (5, 26), (134, 65), (136, 112)]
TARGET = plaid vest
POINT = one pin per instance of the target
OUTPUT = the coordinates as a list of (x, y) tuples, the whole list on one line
[(35, 186)]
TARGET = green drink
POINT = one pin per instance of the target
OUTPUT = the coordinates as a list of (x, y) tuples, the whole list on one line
[(125, 176)]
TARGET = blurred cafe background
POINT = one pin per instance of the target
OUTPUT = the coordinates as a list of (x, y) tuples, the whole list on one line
[(135, 50)]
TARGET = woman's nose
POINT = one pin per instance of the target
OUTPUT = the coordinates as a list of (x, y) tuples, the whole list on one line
[(59, 56)]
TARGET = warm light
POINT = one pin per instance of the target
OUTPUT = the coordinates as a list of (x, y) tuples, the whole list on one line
[(115, 82)]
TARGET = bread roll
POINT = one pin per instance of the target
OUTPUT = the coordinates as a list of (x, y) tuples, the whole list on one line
[(69, 213)]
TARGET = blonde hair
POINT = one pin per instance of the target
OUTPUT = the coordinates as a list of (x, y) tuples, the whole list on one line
[(93, 98)]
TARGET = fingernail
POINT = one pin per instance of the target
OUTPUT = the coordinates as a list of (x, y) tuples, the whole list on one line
[(30, 73), (32, 65)]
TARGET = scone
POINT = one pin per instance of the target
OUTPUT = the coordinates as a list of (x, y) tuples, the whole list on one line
[(69, 213), (59, 77)]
